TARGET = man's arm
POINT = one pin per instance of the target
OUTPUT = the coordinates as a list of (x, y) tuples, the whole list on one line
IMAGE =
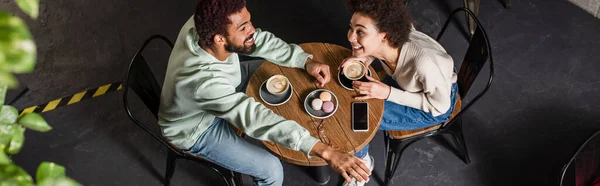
[(279, 52), (273, 49), (217, 96)]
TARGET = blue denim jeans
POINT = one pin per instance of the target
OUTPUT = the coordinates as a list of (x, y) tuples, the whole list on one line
[(400, 117), (221, 145)]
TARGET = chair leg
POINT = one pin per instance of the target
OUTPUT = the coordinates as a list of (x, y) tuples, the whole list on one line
[(389, 163), (229, 176), (394, 152), (472, 5), (459, 140), (236, 179), (171, 157), (386, 141), (321, 174)]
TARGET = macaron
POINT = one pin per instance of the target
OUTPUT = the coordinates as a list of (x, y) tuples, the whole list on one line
[(327, 106), (316, 104), (325, 96)]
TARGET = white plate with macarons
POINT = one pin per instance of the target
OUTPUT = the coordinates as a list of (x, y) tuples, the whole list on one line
[(320, 103)]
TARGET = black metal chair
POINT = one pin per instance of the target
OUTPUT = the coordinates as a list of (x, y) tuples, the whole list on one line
[(473, 5), (584, 166), (477, 55), (142, 81)]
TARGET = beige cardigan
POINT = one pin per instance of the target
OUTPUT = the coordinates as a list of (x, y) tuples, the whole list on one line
[(426, 73)]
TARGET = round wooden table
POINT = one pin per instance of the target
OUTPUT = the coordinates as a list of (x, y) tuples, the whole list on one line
[(337, 128)]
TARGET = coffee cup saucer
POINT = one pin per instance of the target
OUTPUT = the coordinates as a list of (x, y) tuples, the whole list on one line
[(347, 83), (274, 100), (319, 114)]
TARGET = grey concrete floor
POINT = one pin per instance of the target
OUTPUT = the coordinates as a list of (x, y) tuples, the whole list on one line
[(543, 103)]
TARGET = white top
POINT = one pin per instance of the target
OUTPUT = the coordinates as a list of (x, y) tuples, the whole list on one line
[(426, 73)]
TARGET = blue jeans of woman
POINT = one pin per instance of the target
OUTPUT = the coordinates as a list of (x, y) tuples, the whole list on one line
[(400, 117)]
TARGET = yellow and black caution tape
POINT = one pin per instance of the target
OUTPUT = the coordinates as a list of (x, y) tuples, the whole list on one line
[(90, 93)]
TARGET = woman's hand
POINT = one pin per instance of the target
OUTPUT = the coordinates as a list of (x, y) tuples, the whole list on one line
[(372, 89)]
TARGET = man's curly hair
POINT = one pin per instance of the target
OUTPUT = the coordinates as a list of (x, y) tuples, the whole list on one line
[(390, 17), (211, 18)]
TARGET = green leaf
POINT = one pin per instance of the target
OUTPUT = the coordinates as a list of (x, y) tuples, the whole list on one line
[(35, 122), (31, 7), (12, 174), (2, 94), (49, 170), (4, 159), (6, 133), (17, 49), (8, 114), (7, 79), (16, 142), (64, 181), (11, 137)]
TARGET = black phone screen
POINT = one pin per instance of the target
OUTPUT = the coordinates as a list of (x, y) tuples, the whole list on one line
[(360, 116)]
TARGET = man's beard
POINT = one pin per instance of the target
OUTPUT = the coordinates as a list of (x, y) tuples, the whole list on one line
[(247, 50)]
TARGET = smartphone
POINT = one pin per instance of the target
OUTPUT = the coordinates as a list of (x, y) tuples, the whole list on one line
[(360, 116)]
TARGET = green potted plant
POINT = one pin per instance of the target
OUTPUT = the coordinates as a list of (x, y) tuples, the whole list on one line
[(17, 55)]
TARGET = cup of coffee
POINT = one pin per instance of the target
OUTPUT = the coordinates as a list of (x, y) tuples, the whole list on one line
[(354, 70), (278, 84)]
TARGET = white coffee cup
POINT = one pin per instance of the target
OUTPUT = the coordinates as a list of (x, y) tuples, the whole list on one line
[(354, 70), (278, 84)]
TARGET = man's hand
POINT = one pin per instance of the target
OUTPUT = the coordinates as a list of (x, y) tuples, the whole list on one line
[(344, 163), (318, 70), (372, 89)]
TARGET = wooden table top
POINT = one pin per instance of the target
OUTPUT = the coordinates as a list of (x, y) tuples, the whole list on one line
[(337, 128)]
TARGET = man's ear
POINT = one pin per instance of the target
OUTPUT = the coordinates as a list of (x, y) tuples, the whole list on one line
[(219, 39)]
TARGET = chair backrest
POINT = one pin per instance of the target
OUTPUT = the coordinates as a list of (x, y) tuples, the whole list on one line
[(478, 53), (584, 166), (142, 81)]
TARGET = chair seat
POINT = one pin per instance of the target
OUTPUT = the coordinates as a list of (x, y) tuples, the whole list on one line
[(185, 154), (401, 134), (236, 130)]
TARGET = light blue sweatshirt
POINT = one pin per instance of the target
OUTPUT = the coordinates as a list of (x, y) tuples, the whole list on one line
[(198, 88)]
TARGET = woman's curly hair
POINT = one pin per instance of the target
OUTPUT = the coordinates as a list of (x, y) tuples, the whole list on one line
[(390, 17), (211, 18)]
